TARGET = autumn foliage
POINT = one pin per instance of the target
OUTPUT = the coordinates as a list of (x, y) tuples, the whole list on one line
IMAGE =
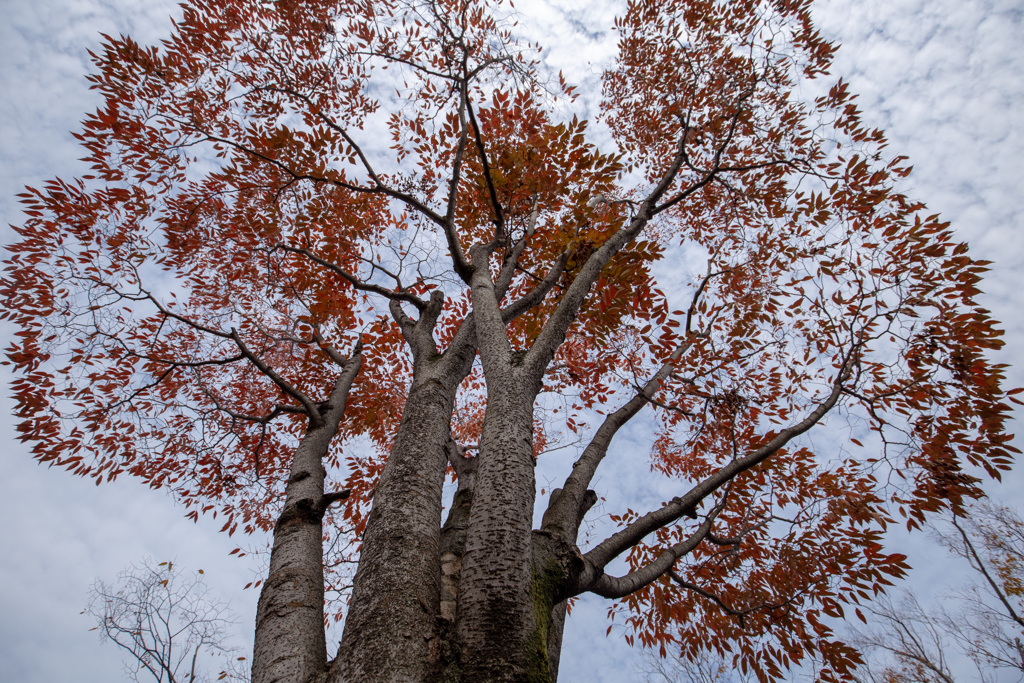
[(299, 213)]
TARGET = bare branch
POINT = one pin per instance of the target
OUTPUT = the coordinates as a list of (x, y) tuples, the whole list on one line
[(562, 514), (619, 542), (499, 217), (553, 334), (356, 283), (459, 262), (508, 268), (983, 570)]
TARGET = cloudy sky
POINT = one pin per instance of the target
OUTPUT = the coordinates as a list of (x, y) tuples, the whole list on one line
[(943, 77)]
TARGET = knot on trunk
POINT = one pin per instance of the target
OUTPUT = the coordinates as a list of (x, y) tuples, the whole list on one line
[(309, 511), (557, 565)]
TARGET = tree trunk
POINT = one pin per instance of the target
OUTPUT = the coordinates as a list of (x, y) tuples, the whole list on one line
[(501, 636), (391, 629), (290, 644)]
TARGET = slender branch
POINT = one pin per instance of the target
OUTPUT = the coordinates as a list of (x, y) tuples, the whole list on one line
[(376, 266), (554, 331), (716, 167), (182, 319), (537, 294), (734, 541), (700, 291), (616, 544), (167, 362), (315, 419), (192, 670), (562, 512), (988, 577), (462, 266), (617, 587), (378, 188), (740, 614), (331, 352), (504, 279), (499, 218), (356, 283), (460, 150), (266, 419)]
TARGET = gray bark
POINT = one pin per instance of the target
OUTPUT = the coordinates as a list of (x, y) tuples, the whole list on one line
[(496, 621), (289, 639), (391, 624), (495, 618), (393, 620), (507, 593)]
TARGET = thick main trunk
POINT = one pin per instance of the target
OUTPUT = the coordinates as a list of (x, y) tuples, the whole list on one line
[(290, 645), (391, 630), (496, 621)]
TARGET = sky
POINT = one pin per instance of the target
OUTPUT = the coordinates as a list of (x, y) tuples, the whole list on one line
[(945, 78)]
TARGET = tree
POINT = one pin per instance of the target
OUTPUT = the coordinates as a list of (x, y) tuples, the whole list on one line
[(915, 639), (676, 668), (169, 627), (253, 303), (990, 624), (985, 625)]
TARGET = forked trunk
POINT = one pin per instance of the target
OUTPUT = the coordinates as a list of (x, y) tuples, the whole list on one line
[(289, 639), (391, 626)]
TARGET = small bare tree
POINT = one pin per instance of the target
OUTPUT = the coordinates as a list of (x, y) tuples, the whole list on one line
[(989, 625), (676, 667), (984, 622), (916, 641), (170, 626)]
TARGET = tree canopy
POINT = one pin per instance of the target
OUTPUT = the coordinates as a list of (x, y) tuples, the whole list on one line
[(328, 251)]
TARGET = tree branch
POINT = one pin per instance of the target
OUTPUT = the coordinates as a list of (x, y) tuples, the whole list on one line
[(554, 331), (499, 217), (315, 419), (740, 614), (561, 513), (508, 267), (333, 497), (616, 544), (988, 577), (356, 283), (536, 295), (617, 587), (462, 267)]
